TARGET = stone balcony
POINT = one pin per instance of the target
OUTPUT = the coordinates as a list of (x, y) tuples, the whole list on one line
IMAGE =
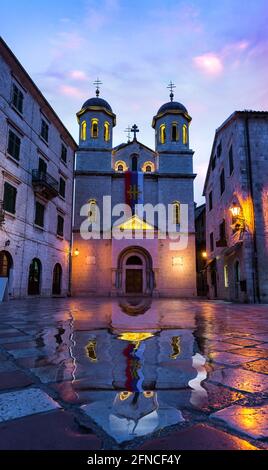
[(44, 184)]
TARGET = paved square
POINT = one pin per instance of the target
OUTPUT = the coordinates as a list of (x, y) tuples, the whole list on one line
[(136, 372)]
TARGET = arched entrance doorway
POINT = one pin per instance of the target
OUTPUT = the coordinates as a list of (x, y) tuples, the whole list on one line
[(6, 268), (6, 263), (134, 273), (57, 275), (34, 279)]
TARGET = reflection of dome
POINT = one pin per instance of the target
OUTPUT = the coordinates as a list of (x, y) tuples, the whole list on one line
[(93, 102), (172, 106), (135, 306)]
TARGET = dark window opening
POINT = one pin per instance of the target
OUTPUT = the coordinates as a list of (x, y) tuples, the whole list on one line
[(219, 149), (39, 214), (213, 163), (211, 240), (17, 98), (222, 230), (134, 163), (42, 167), (10, 194), (148, 169), (13, 145), (210, 201), (44, 130), (60, 225), (63, 153), (174, 134), (62, 187)]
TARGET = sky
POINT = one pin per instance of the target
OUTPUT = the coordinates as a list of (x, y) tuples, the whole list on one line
[(216, 53)]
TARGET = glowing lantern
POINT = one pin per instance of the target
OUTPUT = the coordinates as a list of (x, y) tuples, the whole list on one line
[(76, 252), (235, 209)]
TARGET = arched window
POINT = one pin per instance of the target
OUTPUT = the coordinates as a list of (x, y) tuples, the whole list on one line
[(92, 212), (162, 133), (148, 167), (57, 275), (134, 163), (34, 279), (184, 134), (176, 212), (94, 128), (106, 131), (83, 130), (174, 132), (120, 166)]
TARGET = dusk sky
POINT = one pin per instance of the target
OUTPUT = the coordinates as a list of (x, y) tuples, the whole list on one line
[(216, 52)]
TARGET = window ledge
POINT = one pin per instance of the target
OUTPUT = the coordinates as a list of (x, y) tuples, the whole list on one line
[(43, 140), (61, 237), (63, 162), (62, 198), (13, 159), (17, 110), (10, 214), (39, 227)]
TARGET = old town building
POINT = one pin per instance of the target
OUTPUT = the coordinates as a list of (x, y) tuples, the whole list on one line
[(236, 192), (36, 159)]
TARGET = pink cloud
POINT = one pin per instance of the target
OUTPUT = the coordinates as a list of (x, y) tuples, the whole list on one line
[(78, 75), (70, 91), (209, 64)]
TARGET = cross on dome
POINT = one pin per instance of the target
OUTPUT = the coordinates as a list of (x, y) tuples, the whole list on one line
[(171, 87), (97, 83)]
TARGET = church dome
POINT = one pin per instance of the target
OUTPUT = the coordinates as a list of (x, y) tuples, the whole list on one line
[(95, 101), (172, 106)]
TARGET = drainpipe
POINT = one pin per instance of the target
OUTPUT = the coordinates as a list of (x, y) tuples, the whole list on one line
[(71, 232), (255, 264)]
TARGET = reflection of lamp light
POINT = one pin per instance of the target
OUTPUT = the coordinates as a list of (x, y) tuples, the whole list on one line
[(204, 254), (235, 209), (76, 252)]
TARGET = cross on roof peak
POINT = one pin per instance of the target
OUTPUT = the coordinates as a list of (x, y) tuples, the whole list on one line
[(134, 129), (171, 87), (97, 84)]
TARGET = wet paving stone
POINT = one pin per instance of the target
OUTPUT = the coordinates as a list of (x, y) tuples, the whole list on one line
[(198, 437), (251, 352), (228, 358), (250, 421), (174, 364), (240, 379), (242, 341), (24, 402), (56, 430), (260, 366), (14, 379), (219, 397)]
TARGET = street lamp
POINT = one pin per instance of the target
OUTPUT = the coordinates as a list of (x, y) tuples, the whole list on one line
[(76, 252), (235, 210)]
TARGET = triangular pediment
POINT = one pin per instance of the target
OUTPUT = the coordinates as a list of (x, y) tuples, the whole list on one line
[(134, 223), (134, 146)]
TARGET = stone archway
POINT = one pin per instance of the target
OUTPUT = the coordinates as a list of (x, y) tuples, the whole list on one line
[(135, 272)]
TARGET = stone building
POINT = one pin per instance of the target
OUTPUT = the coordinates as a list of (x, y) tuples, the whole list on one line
[(236, 192), (36, 159), (142, 262), (201, 254)]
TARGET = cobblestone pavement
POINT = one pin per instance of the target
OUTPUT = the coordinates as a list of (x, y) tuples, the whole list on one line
[(133, 374)]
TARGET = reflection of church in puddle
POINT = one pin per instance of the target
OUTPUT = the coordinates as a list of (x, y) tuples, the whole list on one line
[(155, 375)]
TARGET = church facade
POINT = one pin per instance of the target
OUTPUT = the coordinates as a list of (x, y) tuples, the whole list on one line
[(120, 247)]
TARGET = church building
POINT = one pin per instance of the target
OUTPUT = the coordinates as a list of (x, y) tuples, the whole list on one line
[(117, 253)]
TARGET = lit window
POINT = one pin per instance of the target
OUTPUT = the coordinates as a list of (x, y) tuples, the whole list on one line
[(92, 213), (174, 132), (162, 133), (176, 212), (94, 128), (184, 134), (148, 167), (120, 166), (83, 130), (226, 280), (106, 131)]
